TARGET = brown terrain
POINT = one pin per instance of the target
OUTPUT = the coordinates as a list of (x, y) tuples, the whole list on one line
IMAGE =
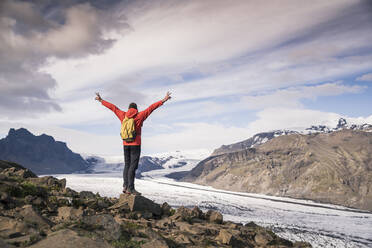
[(40, 212), (330, 168)]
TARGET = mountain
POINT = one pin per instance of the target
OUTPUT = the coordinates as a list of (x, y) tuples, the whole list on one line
[(329, 167), (153, 165), (261, 138), (41, 154), (171, 163)]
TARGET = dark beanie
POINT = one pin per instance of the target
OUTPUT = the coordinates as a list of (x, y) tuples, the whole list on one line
[(132, 105)]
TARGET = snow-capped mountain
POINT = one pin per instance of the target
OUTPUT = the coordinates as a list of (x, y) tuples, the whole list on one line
[(342, 124), (263, 137), (175, 162)]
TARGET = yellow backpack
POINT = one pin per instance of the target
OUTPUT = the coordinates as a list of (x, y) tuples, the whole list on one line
[(128, 131)]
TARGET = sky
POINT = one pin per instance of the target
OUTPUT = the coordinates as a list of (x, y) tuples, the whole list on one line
[(235, 68)]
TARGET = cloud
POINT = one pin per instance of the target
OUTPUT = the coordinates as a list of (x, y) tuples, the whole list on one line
[(292, 118), (29, 36), (291, 97), (170, 38), (366, 77), (194, 136), (210, 54)]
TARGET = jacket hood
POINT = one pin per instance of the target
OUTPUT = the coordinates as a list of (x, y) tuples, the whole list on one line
[(131, 113)]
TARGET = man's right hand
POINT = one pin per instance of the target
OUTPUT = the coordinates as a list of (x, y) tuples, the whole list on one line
[(98, 97), (167, 97)]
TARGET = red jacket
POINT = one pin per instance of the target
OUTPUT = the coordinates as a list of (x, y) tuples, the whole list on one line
[(139, 118)]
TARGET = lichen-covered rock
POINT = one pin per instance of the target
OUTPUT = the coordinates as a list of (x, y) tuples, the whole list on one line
[(87, 195), (197, 213), (10, 228), (49, 181), (69, 213), (183, 214), (67, 238), (166, 209), (189, 228), (104, 224), (214, 217), (139, 203), (3, 244), (155, 239), (263, 238), (184, 240), (30, 215)]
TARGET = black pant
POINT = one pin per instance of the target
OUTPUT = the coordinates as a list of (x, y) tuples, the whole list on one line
[(131, 159)]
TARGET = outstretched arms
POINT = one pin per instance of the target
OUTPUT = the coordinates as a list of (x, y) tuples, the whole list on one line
[(119, 113)]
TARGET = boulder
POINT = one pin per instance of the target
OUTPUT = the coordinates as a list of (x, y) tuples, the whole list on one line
[(104, 224), (166, 209), (165, 223), (5, 245), (69, 213), (156, 240), (214, 217), (87, 195), (225, 237), (49, 181), (197, 213), (183, 239), (191, 229), (31, 216), (69, 192), (138, 203), (229, 237), (4, 197), (23, 240), (183, 214), (11, 228), (263, 238), (17, 172), (67, 238)]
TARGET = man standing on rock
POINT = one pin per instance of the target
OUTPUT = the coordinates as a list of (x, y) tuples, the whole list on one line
[(132, 122)]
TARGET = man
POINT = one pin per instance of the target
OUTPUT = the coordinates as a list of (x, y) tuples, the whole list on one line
[(132, 149)]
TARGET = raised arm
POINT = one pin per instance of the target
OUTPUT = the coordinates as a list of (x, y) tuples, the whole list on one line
[(145, 113), (119, 113)]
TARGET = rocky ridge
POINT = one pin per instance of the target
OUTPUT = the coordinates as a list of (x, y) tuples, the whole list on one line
[(41, 212), (261, 138)]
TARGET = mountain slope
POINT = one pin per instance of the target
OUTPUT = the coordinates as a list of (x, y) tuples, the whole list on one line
[(331, 167), (41, 154), (261, 138)]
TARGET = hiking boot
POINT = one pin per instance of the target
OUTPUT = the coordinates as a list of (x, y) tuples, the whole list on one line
[(133, 192), (126, 190)]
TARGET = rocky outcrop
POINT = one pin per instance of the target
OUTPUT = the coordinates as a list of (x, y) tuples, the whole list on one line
[(40, 212), (41, 154), (331, 167)]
